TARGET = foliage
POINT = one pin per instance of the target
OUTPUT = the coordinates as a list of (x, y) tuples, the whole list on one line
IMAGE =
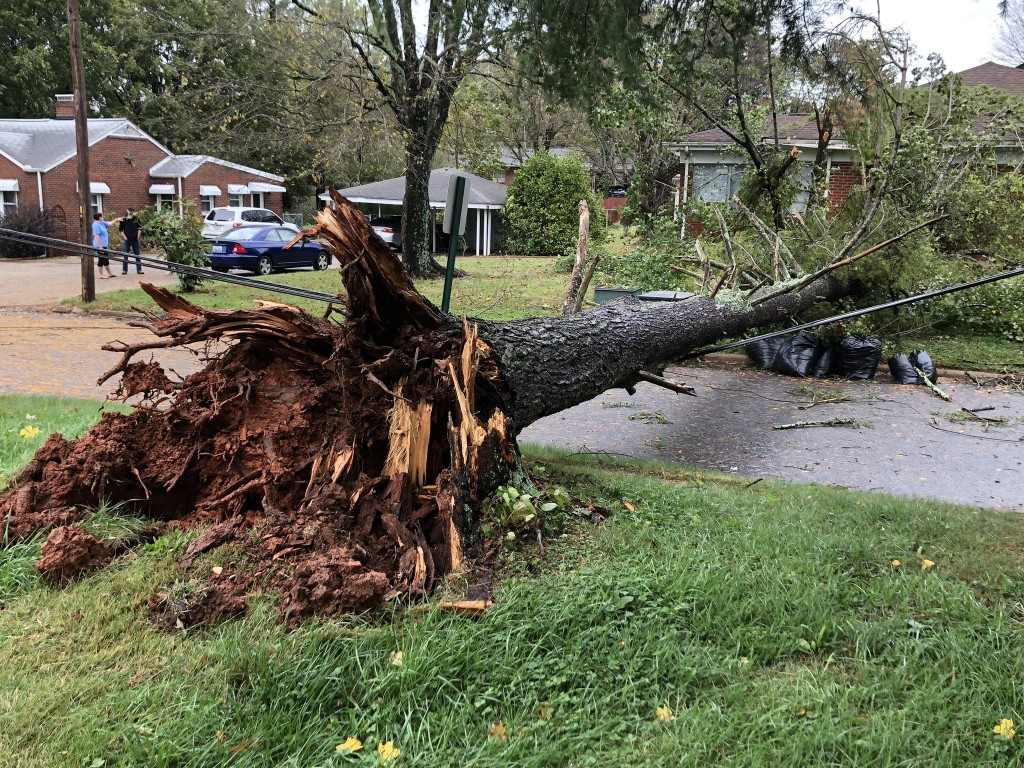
[(649, 264), (511, 511), (28, 219), (541, 213), (986, 210), (179, 238)]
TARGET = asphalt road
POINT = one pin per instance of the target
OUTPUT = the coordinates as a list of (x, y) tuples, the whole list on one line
[(908, 442)]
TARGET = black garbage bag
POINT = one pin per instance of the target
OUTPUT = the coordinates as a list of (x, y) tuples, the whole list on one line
[(921, 359), (826, 363), (902, 369), (858, 356), (799, 355), (763, 352)]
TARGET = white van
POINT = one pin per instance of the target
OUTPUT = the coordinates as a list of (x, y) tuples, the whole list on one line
[(220, 220)]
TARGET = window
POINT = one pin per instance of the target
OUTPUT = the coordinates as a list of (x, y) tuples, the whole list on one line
[(261, 215), (95, 204), (206, 203), (164, 201), (234, 200), (257, 199), (803, 178), (244, 233), (8, 202), (716, 183)]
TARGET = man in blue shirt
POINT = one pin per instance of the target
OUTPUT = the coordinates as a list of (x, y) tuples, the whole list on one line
[(100, 241)]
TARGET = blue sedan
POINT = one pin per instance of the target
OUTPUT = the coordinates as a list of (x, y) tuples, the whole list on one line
[(262, 250)]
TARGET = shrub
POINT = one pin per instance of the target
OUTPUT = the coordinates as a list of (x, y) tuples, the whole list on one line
[(648, 265), (541, 214), (30, 221), (178, 238)]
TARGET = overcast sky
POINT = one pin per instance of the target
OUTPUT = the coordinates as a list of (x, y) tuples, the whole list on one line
[(962, 31)]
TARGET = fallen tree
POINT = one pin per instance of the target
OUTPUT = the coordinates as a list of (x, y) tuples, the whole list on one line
[(350, 458)]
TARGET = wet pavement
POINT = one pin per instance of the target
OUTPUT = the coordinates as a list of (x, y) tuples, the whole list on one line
[(908, 442), (45, 353), (44, 282)]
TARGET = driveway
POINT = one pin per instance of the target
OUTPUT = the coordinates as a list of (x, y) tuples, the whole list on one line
[(44, 282)]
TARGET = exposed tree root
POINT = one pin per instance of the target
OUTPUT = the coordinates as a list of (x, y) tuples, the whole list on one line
[(343, 457)]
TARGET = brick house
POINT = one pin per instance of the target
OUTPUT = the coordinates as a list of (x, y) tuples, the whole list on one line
[(712, 166), (127, 167)]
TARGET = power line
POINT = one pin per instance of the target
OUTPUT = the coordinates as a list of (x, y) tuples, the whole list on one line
[(857, 313)]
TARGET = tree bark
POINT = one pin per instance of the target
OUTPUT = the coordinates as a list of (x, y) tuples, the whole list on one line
[(416, 229)]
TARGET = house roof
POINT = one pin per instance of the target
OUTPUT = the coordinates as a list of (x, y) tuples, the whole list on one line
[(797, 128), (39, 145), (1008, 79), (483, 193), (182, 165), (514, 157)]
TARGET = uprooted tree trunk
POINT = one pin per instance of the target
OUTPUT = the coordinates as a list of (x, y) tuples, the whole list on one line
[(351, 459)]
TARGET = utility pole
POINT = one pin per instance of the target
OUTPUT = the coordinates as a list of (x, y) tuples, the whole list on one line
[(82, 144)]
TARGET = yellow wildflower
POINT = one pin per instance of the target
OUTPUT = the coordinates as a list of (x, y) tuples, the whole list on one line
[(388, 751), (664, 714), (1005, 729), (498, 731), (896, 563), (926, 564), (28, 432), (351, 744)]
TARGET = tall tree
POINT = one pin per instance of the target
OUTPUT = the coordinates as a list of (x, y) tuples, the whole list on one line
[(1009, 43), (417, 72)]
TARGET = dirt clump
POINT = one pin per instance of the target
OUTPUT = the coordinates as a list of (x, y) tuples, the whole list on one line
[(68, 552), (223, 597), (331, 584)]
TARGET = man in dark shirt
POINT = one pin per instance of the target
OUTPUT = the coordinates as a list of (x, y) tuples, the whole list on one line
[(130, 229)]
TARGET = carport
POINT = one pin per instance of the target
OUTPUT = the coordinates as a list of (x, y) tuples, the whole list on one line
[(486, 199)]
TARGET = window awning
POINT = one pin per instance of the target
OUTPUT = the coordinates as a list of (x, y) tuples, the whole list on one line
[(208, 190), (8, 185), (161, 189), (96, 188), (259, 186), (238, 189)]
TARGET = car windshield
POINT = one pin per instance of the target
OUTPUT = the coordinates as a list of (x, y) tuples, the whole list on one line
[(244, 233), (223, 215)]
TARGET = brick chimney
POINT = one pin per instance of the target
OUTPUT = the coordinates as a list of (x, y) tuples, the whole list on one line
[(65, 106)]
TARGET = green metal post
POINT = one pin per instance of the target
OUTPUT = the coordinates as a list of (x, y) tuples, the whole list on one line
[(453, 241)]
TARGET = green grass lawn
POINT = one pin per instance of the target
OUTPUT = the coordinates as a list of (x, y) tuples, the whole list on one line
[(703, 623), (495, 288)]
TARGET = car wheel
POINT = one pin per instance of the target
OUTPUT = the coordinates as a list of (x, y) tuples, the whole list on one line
[(264, 266), (323, 261)]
